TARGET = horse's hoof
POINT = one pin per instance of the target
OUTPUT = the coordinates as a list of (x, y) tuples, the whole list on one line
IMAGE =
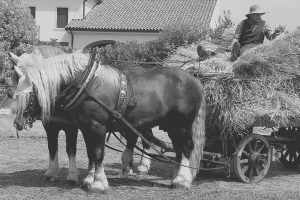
[(143, 169), (141, 175), (88, 180), (128, 173), (51, 175), (181, 182), (50, 178), (73, 177), (98, 187)]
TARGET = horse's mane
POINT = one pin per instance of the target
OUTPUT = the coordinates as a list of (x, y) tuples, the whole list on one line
[(48, 75), (45, 51)]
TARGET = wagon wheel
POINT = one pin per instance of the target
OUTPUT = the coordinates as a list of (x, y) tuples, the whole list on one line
[(290, 155), (252, 159)]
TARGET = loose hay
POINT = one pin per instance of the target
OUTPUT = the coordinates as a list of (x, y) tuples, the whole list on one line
[(263, 88)]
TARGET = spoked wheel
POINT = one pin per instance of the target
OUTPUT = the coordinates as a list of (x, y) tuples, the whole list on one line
[(252, 159), (290, 155)]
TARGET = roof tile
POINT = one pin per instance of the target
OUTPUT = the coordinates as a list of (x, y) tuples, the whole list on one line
[(144, 15)]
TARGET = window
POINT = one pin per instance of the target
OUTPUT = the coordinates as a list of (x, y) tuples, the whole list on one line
[(62, 17), (32, 11)]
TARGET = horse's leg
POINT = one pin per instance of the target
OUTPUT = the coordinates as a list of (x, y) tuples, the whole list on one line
[(127, 156), (71, 141), (89, 179), (183, 145), (145, 162), (52, 137), (95, 135), (177, 150)]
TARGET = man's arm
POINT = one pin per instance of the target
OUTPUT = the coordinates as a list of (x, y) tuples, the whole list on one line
[(237, 34), (269, 35)]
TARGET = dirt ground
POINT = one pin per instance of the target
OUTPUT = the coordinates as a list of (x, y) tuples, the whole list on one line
[(24, 161)]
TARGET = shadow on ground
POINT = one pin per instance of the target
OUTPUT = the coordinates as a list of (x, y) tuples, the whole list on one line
[(159, 176), (35, 178)]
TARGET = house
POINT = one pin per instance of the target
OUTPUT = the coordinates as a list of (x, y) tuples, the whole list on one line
[(80, 23), (140, 20), (52, 16)]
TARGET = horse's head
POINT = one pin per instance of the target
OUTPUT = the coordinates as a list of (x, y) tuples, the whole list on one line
[(39, 82), (29, 115), (26, 105), (21, 62)]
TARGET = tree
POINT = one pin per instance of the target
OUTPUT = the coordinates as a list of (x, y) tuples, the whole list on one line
[(224, 23), (18, 31)]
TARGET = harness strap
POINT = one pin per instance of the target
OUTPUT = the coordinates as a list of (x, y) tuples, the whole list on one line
[(86, 79)]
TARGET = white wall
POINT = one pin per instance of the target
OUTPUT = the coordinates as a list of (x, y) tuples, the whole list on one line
[(215, 16), (46, 13), (84, 38), (280, 12)]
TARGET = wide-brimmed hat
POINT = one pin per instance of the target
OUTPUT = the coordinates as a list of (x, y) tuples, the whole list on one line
[(255, 9)]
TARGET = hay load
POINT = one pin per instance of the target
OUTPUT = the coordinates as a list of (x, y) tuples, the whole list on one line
[(263, 88)]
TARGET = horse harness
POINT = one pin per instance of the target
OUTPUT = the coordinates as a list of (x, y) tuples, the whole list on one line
[(72, 96)]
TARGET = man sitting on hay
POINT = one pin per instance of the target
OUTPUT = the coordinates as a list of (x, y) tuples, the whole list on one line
[(249, 33)]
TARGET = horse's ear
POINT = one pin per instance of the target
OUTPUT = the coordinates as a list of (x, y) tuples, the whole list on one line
[(14, 57), (19, 71)]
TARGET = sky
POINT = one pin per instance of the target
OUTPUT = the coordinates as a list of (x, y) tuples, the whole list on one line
[(279, 12)]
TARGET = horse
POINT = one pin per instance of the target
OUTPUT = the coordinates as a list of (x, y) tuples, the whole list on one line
[(169, 98), (53, 126), (59, 122)]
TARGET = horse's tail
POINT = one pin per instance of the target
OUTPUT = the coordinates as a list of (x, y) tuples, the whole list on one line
[(198, 136)]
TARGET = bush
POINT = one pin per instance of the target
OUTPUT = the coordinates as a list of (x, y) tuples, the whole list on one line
[(172, 37), (54, 43), (18, 32), (154, 51), (224, 23)]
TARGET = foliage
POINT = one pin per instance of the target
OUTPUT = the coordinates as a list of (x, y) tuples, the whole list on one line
[(155, 51), (17, 27), (53, 42), (18, 31), (224, 23), (119, 53), (181, 34)]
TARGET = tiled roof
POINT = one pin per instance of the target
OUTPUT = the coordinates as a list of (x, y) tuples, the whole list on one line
[(144, 15)]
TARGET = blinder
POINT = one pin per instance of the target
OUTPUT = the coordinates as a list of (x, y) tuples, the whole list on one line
[(32, 111)]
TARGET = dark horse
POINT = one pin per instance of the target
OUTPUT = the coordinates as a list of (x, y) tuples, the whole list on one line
[(169, 98), (53, 126)]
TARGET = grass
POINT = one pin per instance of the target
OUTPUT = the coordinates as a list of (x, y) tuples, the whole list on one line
[(25, 160)]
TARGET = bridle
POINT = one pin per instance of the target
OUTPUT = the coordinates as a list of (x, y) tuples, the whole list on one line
[(32, 111)]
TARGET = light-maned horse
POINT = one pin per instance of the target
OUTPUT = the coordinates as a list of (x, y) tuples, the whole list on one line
[(52, 127), (59, 121), (169, 98)]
